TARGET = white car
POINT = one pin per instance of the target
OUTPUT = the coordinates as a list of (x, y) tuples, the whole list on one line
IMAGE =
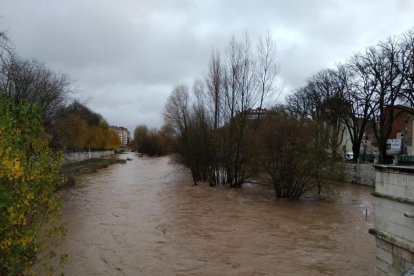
[(349, 156)]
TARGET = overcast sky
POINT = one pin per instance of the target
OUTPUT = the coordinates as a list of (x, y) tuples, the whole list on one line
[(125, 56)]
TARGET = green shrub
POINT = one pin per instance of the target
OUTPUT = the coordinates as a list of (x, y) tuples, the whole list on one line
[(29, 173)]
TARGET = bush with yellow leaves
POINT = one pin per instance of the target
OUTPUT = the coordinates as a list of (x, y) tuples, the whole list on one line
[(29, 175)]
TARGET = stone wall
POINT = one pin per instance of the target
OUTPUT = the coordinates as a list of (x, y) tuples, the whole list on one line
[(82, 156), (394, 219), (362, 174), (392, 259)]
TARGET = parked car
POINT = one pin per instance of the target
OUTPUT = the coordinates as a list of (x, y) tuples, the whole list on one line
[(349, 156)]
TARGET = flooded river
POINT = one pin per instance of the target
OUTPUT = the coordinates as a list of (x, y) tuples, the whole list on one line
[(146, 218)]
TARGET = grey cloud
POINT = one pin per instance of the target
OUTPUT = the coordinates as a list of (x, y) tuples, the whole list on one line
[(126, 56)]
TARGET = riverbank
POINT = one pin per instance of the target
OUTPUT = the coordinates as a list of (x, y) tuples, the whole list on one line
[(87, 166)]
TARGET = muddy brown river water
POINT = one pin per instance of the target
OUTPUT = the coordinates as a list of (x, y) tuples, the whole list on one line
[(146, 218)]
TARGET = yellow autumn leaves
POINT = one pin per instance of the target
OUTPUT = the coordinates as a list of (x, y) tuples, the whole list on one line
[(29, 174), (11, 168)]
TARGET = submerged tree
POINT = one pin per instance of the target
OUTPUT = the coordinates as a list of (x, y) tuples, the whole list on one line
[(290, 156), (210, 124), (177, 117), (190, 133)]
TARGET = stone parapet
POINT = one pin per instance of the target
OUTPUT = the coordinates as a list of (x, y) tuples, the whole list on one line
[(394, 219), (393, 257)]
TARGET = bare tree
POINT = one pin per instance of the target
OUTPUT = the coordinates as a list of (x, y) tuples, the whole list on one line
[(200, 95), (3, 40), (231, 79), (384, 67), (359, 94), (191, 133), (177, 117), (214, 85), (407, 47), (248, 94), (177, 109), (300, 104), (240, 95), (140, 134), (364, 92), (322, 100), (32, 81), (327, 91), (5, 48), (267, 68)]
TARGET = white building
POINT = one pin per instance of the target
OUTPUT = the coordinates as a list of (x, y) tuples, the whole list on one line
[(123, 134)]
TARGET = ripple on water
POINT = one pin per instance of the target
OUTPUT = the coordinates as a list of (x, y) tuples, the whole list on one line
[(146, 218)]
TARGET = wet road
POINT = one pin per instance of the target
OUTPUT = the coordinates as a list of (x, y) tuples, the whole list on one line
[(146, 218)]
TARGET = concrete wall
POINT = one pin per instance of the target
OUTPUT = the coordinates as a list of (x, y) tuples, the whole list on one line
[(394, 222), (363, 174), (81, 156), (395, 181)]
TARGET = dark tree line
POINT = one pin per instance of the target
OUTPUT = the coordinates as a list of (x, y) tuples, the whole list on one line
[(153, 142), (360, 94)]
